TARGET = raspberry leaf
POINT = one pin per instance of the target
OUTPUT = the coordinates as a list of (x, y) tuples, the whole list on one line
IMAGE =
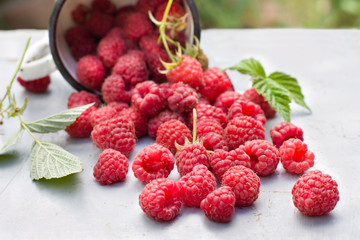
[(250, 67), (51, 161), (4, 146)]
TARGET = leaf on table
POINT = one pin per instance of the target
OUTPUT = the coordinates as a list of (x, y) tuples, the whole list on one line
[(250, 67), (4, 146), (51, 161)]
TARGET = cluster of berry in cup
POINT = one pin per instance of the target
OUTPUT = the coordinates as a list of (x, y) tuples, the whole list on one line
[(214, 135)]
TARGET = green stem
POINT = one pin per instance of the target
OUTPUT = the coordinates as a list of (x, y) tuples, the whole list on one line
[(194, 125), (23, 124), (162, 30)]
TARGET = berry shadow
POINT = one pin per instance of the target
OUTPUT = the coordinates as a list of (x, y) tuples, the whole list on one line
[(9, 159), (269, 180), (315, 221)]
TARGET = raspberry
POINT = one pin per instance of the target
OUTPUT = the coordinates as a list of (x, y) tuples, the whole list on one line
[(137, 25), (170, 132), (208, 111), (213, 141), (77, 34), (295, 156), (181, 98), (102, 114), (153, 60), (39, 85), (176, 11), (144, 6), (117, 133), (152, 162), (105, 6), (245, 108), (226, 99), (139, 120), (99, 23), (219, 205), (137, 53), (215, 83), (116, 32), (222, 160), (111, 167), (114, 90), (81, 98), (284, 131), (189, 72), (123, 14), (90, 72), (83, 48), (118, 106), (148, 98), (131, 68), (242, 129), (315, 193), (208, 125), (196, 185), (252, 95), (109, 50), (81, 128), (244, 183), (160, 199), (162, 117), (264, 156), (149, 42), (79, 13)]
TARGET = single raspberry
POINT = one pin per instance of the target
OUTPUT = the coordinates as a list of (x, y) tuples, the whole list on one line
[(77, 34), (147, 98), (139, 120), (102, 114), (154, 161), (118, 106), (114, 90), (189, 71), (83, 48), (181, 98), (79, 13), (219, 205), (245, 108), (226, 99), (213, 141), (208, 125), (99, 23), (149, 42), (137, 53), (111, 167), (164, 116), (252, 95), (222, 160), (295, 156), (176, 11), (123, 14), (131, 68), (90, 72), (208, 111), (284, 131), (244, 183), (155, 66), (39, 85), (137, 25), (160, 199), (243, 129), (196, 185), (105, 6), (315, 193), (144, 6), (215, 83), (170, 132), (109, 50), (81, 128), (264, 156), (117, 133), (81, 98)]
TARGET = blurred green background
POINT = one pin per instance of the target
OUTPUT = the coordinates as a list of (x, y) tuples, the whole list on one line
[(218, 13)]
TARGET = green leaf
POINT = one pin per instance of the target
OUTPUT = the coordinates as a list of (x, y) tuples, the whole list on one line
[(251, 67), (4, 146), (58, 121), (51, 161), (23, 107)]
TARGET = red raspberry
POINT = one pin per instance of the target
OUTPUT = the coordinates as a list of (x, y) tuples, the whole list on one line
[(102, 114), (153, 60), (162, 117), (264, 156), (117, 133), (79, 13), (226, 99), (196, 185), (139, 120), (208, 111), (131, 68), (147, 98), (137, 25), (137, 53), (252, 95), (213, 141), (243, 129), (144, 6), (222, 160), (160, 199), (83, 48), (114, 90), (215, 83), (149, 42), (219, 205), (123, 14), (105, 6), (176, 11), (189, 72), (295, 156), (181, 98), (245, 108), (152, 162), (170, 132), (81, 128), (208, 125), (118, 106), (39, 85), (110, 49), (90, 72), (77, 34), (99, 23), (284, 131), (244, 183), (315, 193), (81, 98), (111, 167), (116, 32)]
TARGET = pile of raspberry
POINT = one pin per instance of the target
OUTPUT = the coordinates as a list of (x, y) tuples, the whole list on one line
[(220, 153)]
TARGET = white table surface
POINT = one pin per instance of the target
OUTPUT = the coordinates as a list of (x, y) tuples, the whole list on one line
[(327, 66)]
